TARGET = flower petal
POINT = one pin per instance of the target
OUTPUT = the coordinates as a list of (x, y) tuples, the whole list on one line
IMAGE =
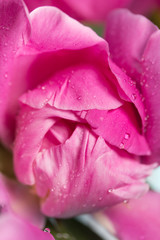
[(18, 199), (14, 31), (89, 178), (124, 122), (123, 27), (150, 89), (137, 219), (77, 87), (33, 125), (14, 228)]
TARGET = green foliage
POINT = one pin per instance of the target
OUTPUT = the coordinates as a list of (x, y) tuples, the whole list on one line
[(70, 229)]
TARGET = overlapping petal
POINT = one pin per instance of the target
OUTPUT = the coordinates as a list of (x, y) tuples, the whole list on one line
[(140, 60), (88, 10), (65, 179), (125, 122), (123, 27)]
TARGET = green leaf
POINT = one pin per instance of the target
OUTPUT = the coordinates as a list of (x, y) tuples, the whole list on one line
[(70, 229), (98, 28)]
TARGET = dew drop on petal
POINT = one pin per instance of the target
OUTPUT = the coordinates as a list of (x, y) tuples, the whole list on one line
[(47, 230), (79, 98), (110, 190), (6, 75), (121, 146), (127, 136), (133, 96)]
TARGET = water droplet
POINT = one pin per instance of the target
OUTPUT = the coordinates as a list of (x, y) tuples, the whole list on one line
[(143, 99), (100, 198), (146, 118), (43, 87), (110, 190), (125, 201), (127, 136), (141, 83), (121, 146), (133, 96), (47, 230), (79, 98), (6, 75)]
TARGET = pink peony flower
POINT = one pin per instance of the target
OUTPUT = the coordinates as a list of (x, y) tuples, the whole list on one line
[(80, 118), (138, 219), (93, 10)]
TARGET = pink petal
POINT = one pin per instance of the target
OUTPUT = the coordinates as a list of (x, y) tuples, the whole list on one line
[(123, 27), (77, 87), (80, 176), (33, 125), (138, 219), (123, 121), (19, 199), (14, 228), (60, 32), (128, 91), (150, 89), (83, 10), (38, 47), (14, 32), (143, 6)]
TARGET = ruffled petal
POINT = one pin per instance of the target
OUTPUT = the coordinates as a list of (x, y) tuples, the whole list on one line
[(78, 87), (123, 121), (32, 127), (84, 174)]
